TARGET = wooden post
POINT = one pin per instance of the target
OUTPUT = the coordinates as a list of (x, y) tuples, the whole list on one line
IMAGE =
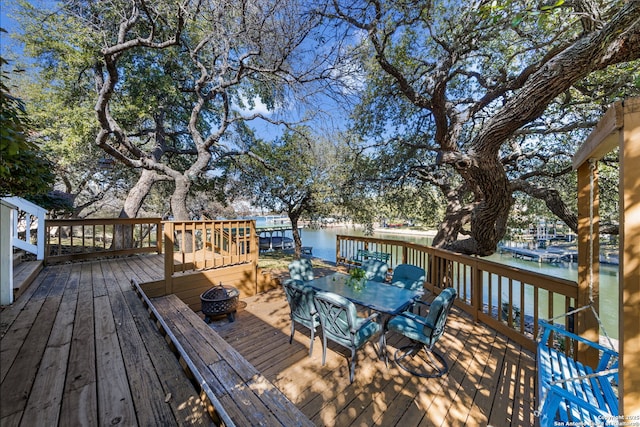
[(630, 262), (159, 236), (6, 253), (255, 243), (588, 228), (476, 291), (620, 128), (168, 228)]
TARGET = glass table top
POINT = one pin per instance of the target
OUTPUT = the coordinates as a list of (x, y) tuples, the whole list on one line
[(381, 297)]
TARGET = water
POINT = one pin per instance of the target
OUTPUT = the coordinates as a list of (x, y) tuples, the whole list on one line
[(323, 242)]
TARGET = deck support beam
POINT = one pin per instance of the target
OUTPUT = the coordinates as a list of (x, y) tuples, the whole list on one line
[(630, 262), (588, 262), (620, 128)]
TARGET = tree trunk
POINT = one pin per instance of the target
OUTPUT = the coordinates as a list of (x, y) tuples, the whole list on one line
[(487, 214), (297, 240), (456, 216), (180, 211), (123, 234)]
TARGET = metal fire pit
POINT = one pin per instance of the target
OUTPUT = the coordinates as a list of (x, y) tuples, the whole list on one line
[(220, 300)]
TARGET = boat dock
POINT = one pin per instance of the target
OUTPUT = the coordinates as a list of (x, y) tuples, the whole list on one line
[(551, 255)]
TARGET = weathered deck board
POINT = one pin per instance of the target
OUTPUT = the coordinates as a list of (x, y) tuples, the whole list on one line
[(44, 402), (237, 390), (17, 384), (172, 387), (143, 380), (80, 396), (490, 381), (74, 314), (78, 348)]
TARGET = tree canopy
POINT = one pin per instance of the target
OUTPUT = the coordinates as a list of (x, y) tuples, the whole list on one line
[(492, 96), (297, 174), (24, 170), (172, 83), (452, 110)]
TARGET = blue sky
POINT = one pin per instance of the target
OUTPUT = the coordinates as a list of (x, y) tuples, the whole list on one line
[(9, 48), (10, 25)]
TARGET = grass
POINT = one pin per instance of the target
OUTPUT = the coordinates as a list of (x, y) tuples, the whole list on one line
[(277, 262)]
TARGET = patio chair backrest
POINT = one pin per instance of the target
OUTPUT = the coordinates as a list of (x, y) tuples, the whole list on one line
[(375, 270), (338, 317), (300, 299), (408, 276), (438, 313), (301, 269)]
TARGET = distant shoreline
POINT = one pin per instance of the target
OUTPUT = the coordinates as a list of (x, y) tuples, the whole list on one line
[(427, 233)]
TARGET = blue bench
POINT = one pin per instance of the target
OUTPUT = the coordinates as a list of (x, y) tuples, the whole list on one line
[(570, 392)]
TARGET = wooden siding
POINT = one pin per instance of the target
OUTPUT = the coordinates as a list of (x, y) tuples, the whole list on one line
[(188, 287)]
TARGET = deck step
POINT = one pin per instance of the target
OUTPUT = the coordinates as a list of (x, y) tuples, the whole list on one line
[(23, 274), (17, 258)]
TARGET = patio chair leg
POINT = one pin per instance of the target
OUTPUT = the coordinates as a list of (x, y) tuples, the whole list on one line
[(324, 349), (436, 361), (352, 365), (311, 344), (293, 330), (382, 350)]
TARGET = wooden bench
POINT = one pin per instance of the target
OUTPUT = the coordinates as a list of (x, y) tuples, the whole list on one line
[(239, 394), (568, 391), (363, 254)]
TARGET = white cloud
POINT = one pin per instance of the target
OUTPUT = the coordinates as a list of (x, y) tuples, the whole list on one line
[(259, 107)]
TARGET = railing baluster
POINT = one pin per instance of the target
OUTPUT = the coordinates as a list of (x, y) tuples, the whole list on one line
[(473, 278)]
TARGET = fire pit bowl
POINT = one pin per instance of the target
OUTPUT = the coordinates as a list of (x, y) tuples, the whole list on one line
[(220, 300)]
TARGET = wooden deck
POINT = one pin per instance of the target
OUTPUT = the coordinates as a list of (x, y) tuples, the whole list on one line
[(78, 348), (491, 379)]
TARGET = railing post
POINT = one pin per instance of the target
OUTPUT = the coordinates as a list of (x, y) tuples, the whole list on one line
[(7, 212), (40, 235), (168, 257), (476, 291), (159, 235), (588, 261)]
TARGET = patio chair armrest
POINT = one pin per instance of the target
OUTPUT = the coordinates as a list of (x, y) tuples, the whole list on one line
[(371, 317), (367, 320), (416, 318)]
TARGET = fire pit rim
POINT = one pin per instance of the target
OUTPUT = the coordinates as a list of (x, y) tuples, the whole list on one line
[(219, 300)]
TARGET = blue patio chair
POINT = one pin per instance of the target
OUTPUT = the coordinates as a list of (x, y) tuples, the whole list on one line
[(423, 332), (342, 325), (409, 277), (303, 310), (376, 270), (301, 269)]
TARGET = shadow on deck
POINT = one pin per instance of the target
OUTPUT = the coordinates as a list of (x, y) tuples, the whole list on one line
[(491, 379), (79, 348)]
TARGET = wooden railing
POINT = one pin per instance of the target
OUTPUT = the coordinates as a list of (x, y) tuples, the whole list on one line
[(199, 245), (27, 231), (76, 239), (508, 299)]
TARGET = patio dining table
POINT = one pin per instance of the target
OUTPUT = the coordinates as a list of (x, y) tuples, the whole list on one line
[(386, 299), (381, 297)]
